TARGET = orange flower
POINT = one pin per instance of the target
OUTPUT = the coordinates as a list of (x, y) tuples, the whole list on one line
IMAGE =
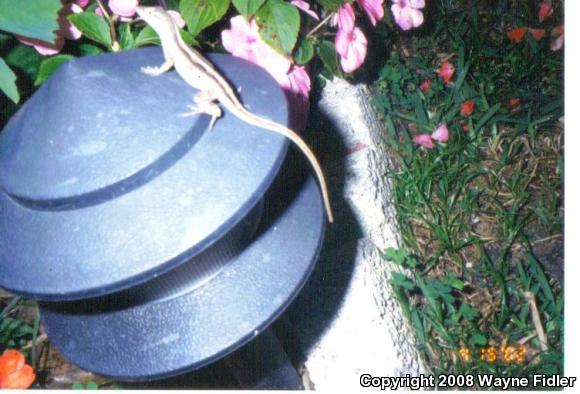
[(425, 86), (446, 71), (514, 104), (545, 10), (558, 30), (517, 35), (538, 34), (467, 108), (14, 372)]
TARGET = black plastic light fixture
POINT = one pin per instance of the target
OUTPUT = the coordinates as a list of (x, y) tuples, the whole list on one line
[(153, 244)]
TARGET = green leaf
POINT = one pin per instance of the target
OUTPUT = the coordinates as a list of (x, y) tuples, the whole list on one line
[(93, 27), (330, 5), (199, 14), (8, 82), (49, 66), (188, 38), (147, 36), (397, 256), (36, 19), (401, 280), (78, 386), (248, 7), (26, 59), (485, 118), (468, 312), (477, 339), (327, 54), (88, 50), (126, 39), (305, 51), (279, 24), (92, 385)]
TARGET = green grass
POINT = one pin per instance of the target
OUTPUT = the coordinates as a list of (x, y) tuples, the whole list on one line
[(480, 216)]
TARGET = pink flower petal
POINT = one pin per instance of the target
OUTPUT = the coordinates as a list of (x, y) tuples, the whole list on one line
[(441, 133), (374, 9), (417, 3), (424, 140), (68, 29), (345, 17), (304, 6), (545, 11), (558, 43), (82, 3), (299, 81), (352, 48), (243, 40), (407, 14), (42, 47), (125, 8)]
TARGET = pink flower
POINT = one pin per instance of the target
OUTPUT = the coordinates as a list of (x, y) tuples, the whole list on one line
[(545, 11), (66, 30), (126, 8), (304, 6), (374, 9), (352, 48), (298, 82), (297, 90), (43, 47), (407, 14), (345, 18), (558, 43), (441, 133), (424, 140), (350, 42), (243, 40), (425, 86), (82, 3)]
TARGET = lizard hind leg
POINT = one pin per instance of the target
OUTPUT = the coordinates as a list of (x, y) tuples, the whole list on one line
[(205, 104), (157, 70)]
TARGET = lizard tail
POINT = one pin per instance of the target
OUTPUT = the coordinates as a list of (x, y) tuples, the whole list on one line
[(295, 138)]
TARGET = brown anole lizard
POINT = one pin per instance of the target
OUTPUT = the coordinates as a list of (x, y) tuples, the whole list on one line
[(198, 72)]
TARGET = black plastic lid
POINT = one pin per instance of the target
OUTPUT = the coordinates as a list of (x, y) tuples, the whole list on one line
[(103, 185)]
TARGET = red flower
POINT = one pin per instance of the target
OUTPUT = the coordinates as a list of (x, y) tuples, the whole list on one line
[(514, 104), (467, 108), (446, 71), (14, 372), (538, 34), (425, 86), (517, 35), (545, 11)]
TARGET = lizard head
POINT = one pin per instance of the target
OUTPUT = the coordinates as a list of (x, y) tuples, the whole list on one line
[(157, 18)]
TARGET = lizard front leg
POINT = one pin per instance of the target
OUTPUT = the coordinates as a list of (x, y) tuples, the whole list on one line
[(205, 104)]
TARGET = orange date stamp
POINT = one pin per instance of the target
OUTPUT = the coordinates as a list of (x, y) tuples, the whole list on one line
[(491, 354)]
